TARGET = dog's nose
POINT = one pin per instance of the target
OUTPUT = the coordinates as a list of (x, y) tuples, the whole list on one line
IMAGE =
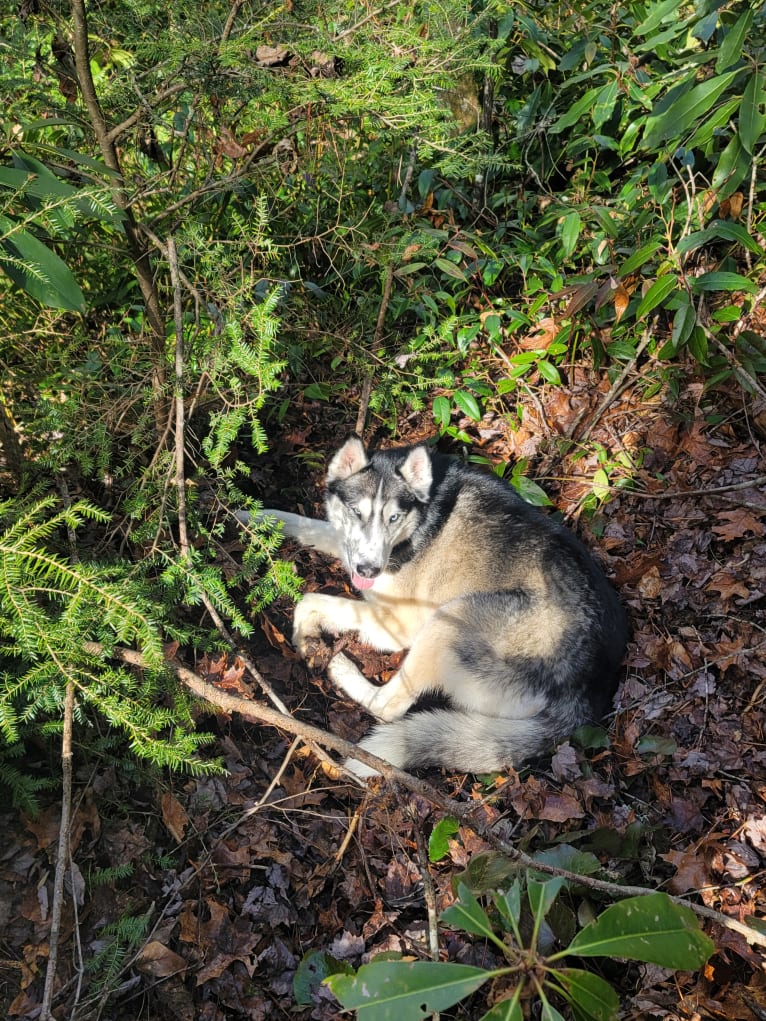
[(367, 570)]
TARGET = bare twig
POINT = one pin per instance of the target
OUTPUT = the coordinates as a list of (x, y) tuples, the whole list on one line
[(62, 854), (429, 893), (467, 814), (759, 480)]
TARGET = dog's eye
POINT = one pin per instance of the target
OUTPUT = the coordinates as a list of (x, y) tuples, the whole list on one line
[(394, 517), (356, 512)]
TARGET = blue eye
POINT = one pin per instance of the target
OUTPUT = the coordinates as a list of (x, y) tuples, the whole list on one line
[(356, 512), (393, 518)]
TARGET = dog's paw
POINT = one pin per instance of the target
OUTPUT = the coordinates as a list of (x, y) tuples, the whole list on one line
[(308, 624)]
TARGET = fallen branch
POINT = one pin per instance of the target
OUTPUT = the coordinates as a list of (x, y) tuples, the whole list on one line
[(465, 813)]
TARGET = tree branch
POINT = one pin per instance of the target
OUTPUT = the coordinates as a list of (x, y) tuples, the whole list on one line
[(465, 813)]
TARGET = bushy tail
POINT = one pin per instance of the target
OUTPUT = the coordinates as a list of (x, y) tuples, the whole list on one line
[(462, 741)]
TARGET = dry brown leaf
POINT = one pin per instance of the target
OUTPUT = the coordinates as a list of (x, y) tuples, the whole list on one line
[(733, 524), (174, 816), (621, 302), (159, 961), (540, 336)]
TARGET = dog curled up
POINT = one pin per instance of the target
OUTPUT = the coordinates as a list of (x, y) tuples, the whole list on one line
[(515, 637)]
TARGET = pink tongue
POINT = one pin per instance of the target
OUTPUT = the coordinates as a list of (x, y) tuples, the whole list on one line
[(361, 583)]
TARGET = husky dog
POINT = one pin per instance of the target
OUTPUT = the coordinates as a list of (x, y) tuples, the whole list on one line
[(514, 635)]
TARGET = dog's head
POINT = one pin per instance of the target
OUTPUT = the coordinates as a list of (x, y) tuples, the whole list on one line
[(374, 503)]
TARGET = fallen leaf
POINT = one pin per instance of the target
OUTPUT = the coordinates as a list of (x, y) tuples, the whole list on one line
[(174, 816), (159, 961), (733, 524)]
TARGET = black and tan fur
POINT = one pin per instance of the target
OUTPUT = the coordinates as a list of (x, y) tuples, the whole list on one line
[(514, 635)]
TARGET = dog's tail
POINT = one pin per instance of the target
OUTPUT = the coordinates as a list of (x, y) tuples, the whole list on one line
[(468, 742)]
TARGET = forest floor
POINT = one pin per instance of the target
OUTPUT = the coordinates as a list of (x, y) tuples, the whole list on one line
[(229, 882)]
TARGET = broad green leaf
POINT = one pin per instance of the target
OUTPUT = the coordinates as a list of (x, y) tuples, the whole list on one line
[(450, 269), (591, 993), (549, 372), (657, 13), (405, 991), (37, 270), (731, 47), (656, 294), (509, 903), (683, 324), (530, 492), (604, 105), (442, 411), (549, 1013), (570, 232), (506, 1010), (720, 280), (716, 231), (313, 969), (673, 122), (488, 870), (408, 268), (438, 842), (565, 856), (466, 913), (641, 256), (467, 404), (541, 894), (697, 345), (651, 928), (733, 166), (575, 113), (752, 112)]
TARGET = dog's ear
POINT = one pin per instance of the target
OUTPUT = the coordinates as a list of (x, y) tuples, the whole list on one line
[(417, 472), (351, 458)]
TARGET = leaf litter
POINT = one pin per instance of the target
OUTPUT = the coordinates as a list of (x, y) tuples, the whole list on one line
[(229, 883)]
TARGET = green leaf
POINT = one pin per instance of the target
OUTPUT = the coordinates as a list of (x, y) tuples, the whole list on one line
[(684, 322), (590, 993), (506, 1010), (678, 118), (450, 269), (575, 113), (752, 112), (721, 280), (314, 968), (404, 991), (641, 256), (467, 404), (438, 842), (37, 270), (733, 165), (542, 894), (731, 47), (657, 13), (570, 232), (488, 870), (657, 293), (716, 231), (652, 928), (529, 491), (549, 372), (604, 105), (565, 856), (441, 409), (466, 913)]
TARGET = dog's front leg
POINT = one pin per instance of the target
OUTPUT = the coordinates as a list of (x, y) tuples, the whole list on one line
[(387, 702), (311, 532), (317, 613)]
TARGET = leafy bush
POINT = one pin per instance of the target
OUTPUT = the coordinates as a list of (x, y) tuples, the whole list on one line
[(519, 920)]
